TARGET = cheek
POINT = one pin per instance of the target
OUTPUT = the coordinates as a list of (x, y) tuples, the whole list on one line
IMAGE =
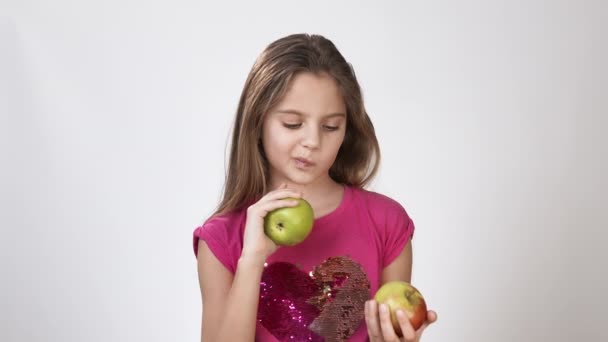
[(276, 142), (333, 145)]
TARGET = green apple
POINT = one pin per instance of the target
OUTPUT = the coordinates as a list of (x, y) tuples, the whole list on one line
[(400, 295), (288, 226)]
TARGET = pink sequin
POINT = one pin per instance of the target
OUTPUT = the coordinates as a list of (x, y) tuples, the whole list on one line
[(325, 305)]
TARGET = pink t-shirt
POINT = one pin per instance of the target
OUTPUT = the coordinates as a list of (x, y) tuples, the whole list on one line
[(317, 289)]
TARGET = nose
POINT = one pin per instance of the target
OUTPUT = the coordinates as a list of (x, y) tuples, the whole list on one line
[(311, 138)]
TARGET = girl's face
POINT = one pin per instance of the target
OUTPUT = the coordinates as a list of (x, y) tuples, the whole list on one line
[(303, 133)]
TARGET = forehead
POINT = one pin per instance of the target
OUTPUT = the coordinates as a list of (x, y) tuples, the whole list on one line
[(313, 94)]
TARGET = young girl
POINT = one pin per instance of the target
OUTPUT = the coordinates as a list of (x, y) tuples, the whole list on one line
[(301, 131)]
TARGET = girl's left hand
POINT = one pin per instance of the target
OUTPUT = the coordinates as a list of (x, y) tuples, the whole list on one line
[(380, 328)]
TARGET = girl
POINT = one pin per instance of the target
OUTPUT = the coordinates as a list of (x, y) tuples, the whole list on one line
[(301, 131)]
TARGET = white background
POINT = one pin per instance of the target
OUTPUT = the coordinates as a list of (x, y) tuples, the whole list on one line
[(115, 116)]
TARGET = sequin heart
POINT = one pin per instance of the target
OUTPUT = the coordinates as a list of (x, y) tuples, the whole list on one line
[(325, 305)]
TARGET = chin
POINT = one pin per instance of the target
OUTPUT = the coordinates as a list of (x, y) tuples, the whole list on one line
[(301, 179)]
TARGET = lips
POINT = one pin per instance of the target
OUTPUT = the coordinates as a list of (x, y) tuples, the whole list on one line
[(303, 162)]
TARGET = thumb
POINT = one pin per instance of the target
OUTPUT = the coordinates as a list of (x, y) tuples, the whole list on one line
[(431, 317)]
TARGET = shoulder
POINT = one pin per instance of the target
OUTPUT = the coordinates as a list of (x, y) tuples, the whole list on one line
[(386, 214), (222, 233), (377, 203), (220, 221), (392, 224)]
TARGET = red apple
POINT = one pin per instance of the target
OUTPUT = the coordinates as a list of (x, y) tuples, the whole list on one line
[(400, 295)]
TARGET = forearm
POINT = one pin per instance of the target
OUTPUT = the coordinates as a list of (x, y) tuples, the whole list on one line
[(242, 302)]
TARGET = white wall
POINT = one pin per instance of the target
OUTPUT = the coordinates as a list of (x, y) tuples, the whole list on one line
[(114, 116)]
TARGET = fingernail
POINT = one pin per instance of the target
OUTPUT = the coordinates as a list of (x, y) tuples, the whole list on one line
[(383, 308)]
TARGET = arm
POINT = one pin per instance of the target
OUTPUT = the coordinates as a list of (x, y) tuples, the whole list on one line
[(228, 299), (401, 267), (225, 295)]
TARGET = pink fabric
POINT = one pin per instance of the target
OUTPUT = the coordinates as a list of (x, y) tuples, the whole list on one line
[(368, 227)]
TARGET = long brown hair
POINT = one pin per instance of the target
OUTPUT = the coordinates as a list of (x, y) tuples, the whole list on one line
[(359, 155)]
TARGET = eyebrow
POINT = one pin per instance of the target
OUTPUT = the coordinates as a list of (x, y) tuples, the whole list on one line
[(297, 112)]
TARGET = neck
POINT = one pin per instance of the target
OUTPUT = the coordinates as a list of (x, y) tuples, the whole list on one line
[(314, 192), (324, 195)]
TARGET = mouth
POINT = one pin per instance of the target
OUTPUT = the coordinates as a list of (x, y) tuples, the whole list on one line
[(303, 162)]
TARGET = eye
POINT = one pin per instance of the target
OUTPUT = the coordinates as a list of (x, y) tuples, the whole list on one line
[(292, 126), (331, 128)]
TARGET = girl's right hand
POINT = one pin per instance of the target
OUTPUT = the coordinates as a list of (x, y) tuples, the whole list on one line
[(380, 328), (255, 243)]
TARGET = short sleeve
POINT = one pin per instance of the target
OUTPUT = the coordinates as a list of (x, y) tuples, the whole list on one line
[(399, 230), (220, 240)]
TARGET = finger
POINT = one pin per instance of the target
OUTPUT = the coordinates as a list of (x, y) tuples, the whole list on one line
[(267, 207), (409, 334), (431, 316), (388, 332), (282, 185), (282, 193), (371, 320)]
